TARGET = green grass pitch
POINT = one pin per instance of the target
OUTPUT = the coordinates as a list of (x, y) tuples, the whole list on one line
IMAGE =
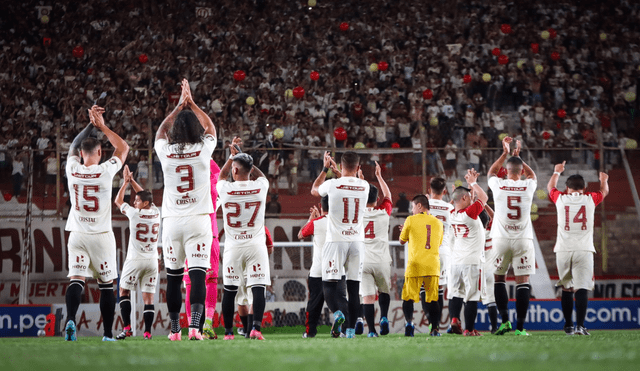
[(603, 350)]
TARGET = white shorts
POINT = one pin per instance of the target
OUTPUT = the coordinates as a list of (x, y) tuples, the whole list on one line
[(93, 255), (375, 277), (444, 268), (252, 262), (464, 281), (144, 271), (518, 253), (575, 269), (487, 289), (342, 258), (187, 237), (244, 296)]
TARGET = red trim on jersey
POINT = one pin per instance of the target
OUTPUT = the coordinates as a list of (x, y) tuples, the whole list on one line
[(269, 239), (386, 205), (554, 194), (596, 196), (308, 229), (474, 209)]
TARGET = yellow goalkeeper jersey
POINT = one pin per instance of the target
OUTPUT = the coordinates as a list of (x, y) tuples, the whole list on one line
[(424, 234)]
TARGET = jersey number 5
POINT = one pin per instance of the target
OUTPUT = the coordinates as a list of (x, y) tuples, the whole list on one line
[(512, 204), (87, 197)]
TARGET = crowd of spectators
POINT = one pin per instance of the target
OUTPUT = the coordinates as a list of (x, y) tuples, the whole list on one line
[(133, 55)]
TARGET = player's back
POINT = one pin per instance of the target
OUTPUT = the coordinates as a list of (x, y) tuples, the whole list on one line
[(469, 235), (243, 204), (144, 225), (376, 233), (347, 201), (442, 210), (512, 201), (186, 177), (318, 229), (90, 195), (424, 233), (575, 220)]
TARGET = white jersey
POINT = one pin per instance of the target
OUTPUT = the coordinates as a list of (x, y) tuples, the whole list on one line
[(512, 199), (318, 229), (376, 233), (469, 236), (90, 193), (442, 210), (187, 187), (347, 201), (243, 205), (575, 220), (144, 225)]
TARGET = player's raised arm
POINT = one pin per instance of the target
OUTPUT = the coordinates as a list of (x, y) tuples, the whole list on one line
[(472, 177), (493, 171), (204, 119), (121, 147), (136, 187), (226, 168), (553, 181), (386, 192), (167, 124), (604, 184), (323, 174), (74, 149), (307, 230), (126, 176)]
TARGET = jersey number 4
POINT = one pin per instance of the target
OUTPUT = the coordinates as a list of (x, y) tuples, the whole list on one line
[(237, 210), (86, 196), (579, 218), (369, 231)]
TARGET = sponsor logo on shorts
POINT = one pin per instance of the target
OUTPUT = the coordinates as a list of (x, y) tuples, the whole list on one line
[(231, 274), (257, 272), (524, 263), (332, 268), (349, 232), (185, 200), (86, 219), (498, 262), (200, 256), (242, 236), (80, 259), (79, 266), (104, 268)]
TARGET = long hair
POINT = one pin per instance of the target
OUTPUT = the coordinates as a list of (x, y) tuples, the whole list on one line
[(186, 130)]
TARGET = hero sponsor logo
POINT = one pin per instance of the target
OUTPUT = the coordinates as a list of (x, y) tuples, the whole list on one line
[(202, 252), (257, 272), (170, 256), (231, 274), (80, 263), (104, 269), (332, 267), (524, 263), (151, 282)]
